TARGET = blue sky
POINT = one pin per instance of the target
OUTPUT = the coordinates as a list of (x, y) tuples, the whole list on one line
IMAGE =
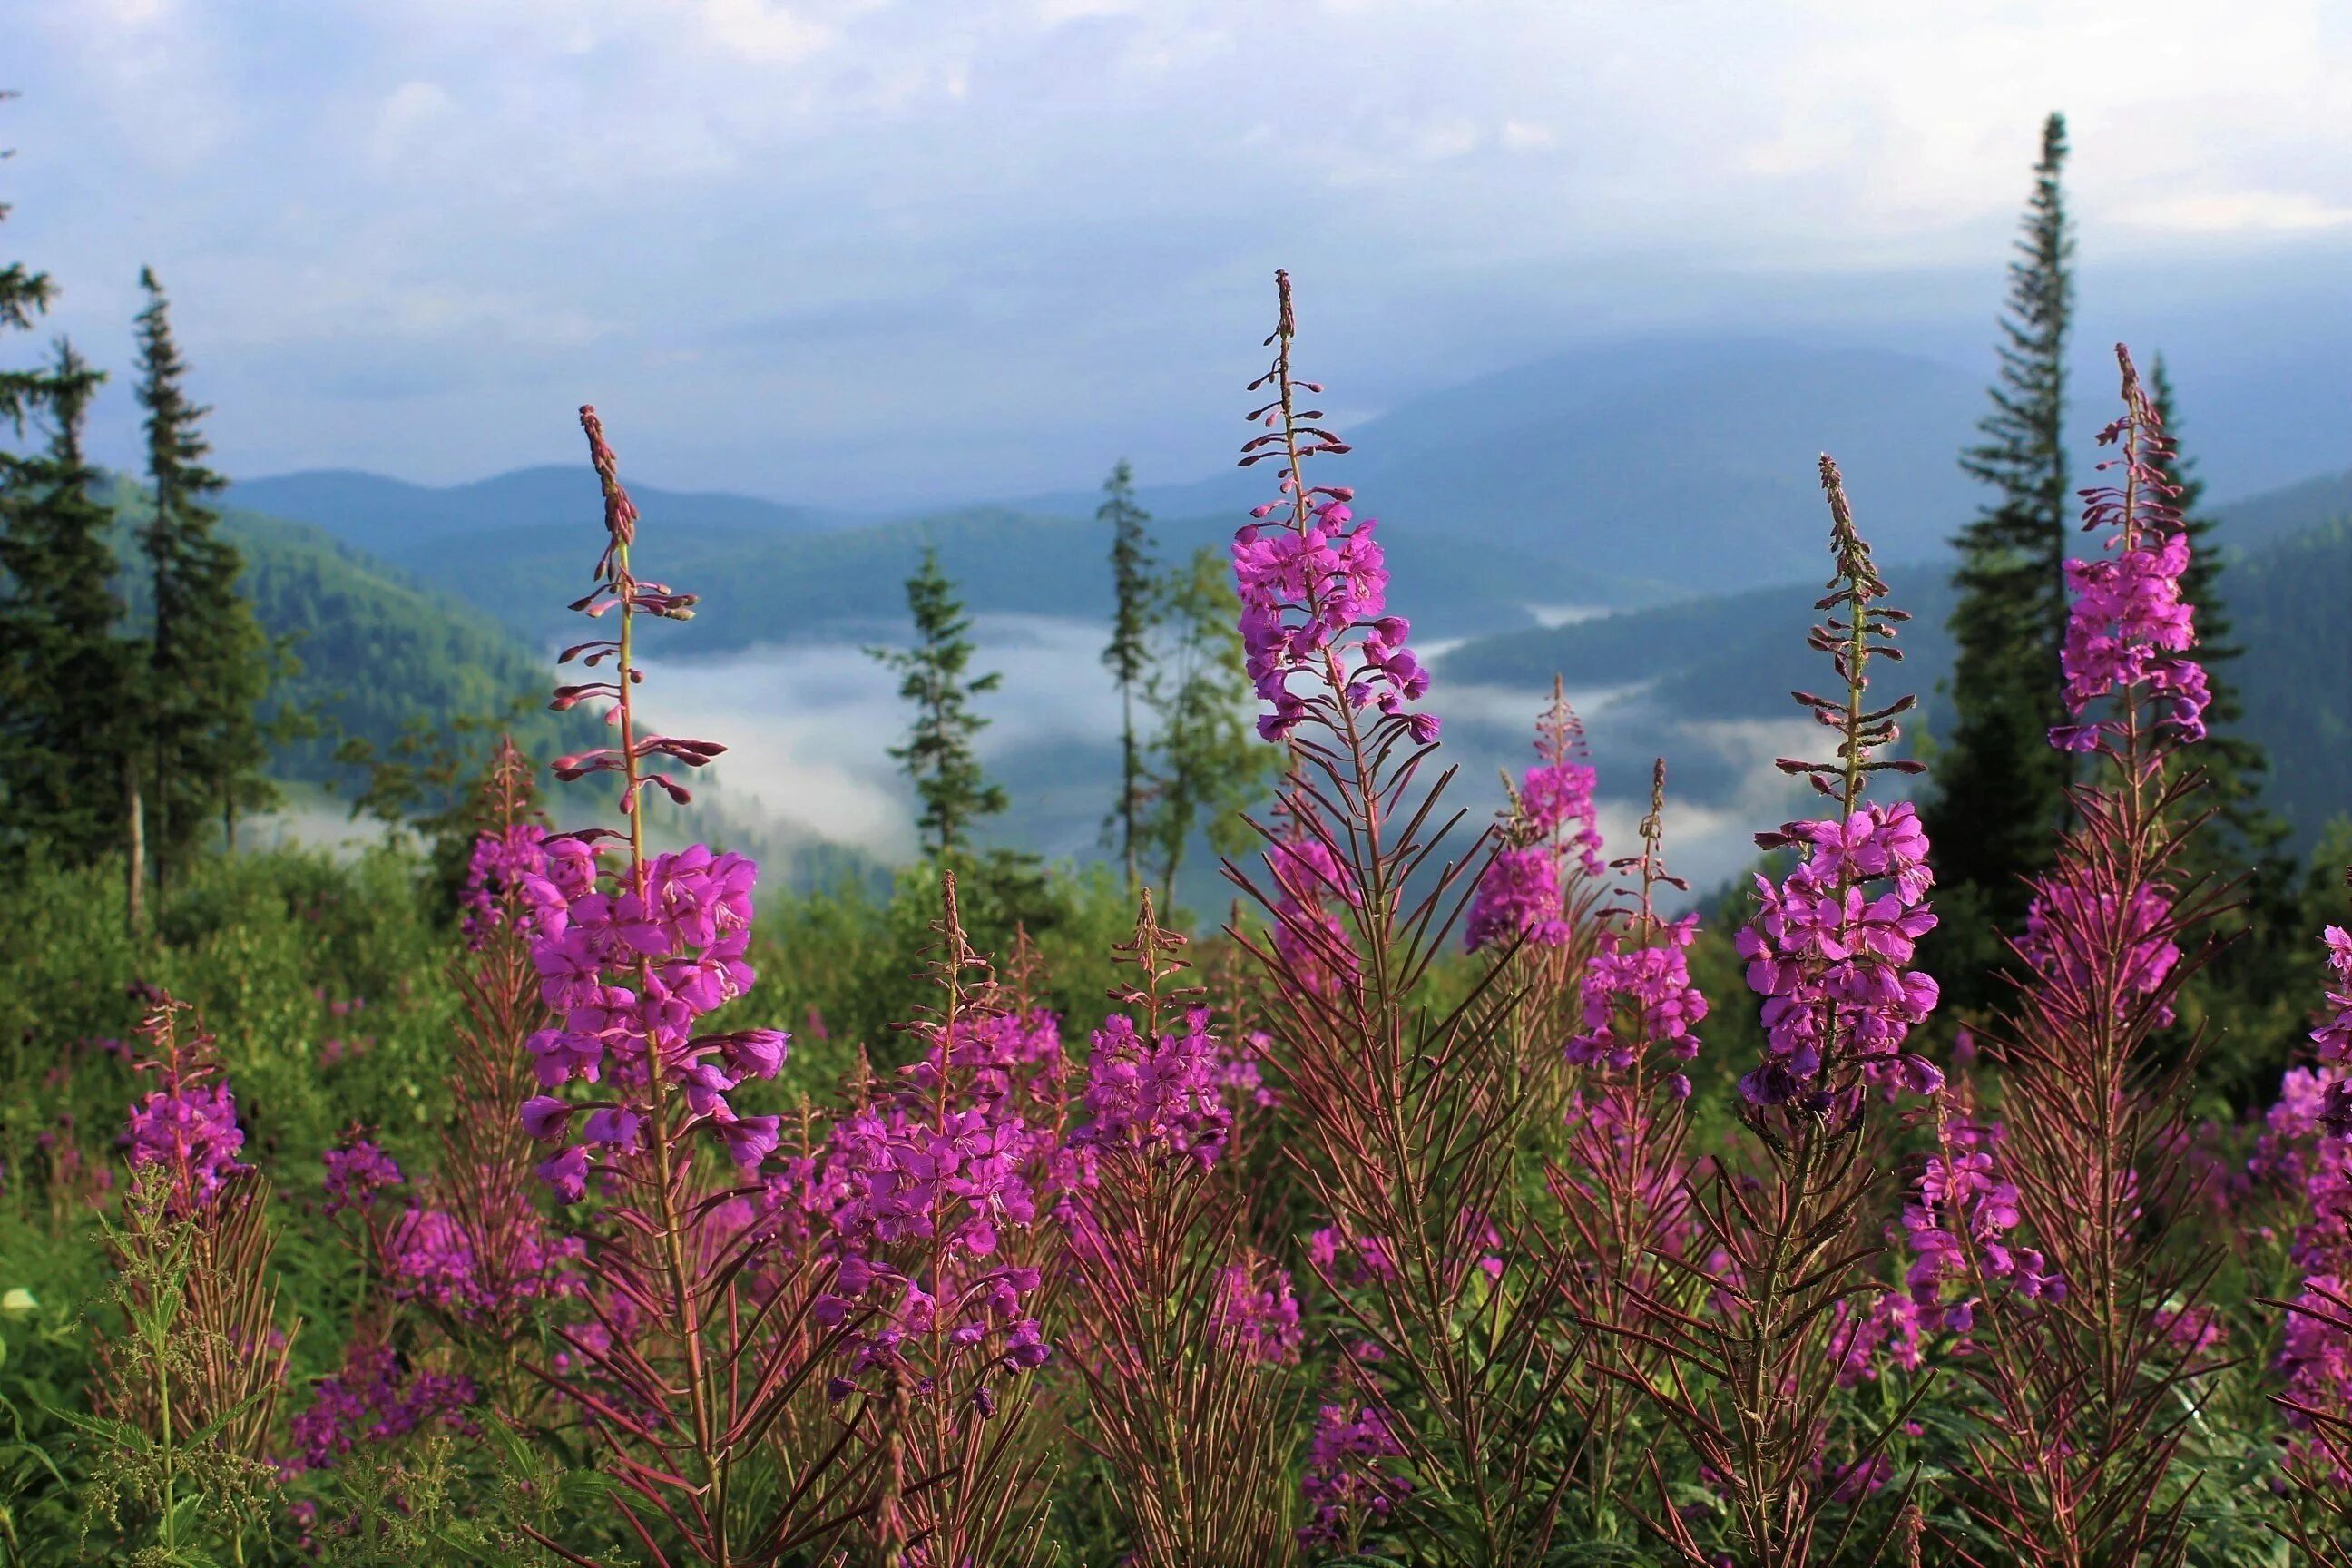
[(854, 251)]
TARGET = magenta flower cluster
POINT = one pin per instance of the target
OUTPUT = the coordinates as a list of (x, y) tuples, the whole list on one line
[(357, 1171), (189, 1127), (2065, 918), (1156, 1096), (1522, 895), (1256, 1315), (1345, 1486), (501, 861), (1518, 897), (1956, 1226), (2129, 626), (1653, 983), (629, 971), (919, 1189), (1305, 583), (375, 1398), (1828, 950)]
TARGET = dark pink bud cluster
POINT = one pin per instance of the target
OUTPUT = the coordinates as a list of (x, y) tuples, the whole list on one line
[(2129, 626), (630, 970), (1162, 1095), (1345, 1486), (1828, 952)]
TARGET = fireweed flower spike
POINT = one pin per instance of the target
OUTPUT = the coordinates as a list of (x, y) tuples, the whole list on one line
[(202, 1365), (1621, 1181), (930, 1192), (2090, 1383), (699, 1333), (1756, 1367), (1179, 1347), (1407, 1113)]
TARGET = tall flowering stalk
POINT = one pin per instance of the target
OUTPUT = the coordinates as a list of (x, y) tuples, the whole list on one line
[(2308, 1147), (1404, 1111), (1622, 1181), (930, 1190), (1180, 1338), (699, 1334), (473, 1248), (2092, 1363), (187, 1397), (1537, 900), (1783, 1252)]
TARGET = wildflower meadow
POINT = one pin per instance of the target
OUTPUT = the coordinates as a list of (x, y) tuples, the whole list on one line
[(1469, 1191)]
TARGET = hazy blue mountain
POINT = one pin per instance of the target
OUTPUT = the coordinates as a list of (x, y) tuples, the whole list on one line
[(399, 521), (2289, 510), (1737, 655), (1685, 461), (1680, 461)]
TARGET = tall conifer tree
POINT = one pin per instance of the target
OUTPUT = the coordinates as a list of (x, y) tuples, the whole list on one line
[(2000, 786), (1208, 764), (24, 294), (1127, 656), (937, 753), (2233, 763), (66, 736), (210, 663)]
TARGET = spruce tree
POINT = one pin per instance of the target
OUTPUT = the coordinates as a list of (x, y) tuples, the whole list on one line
[(24, 294), (2234, 763), (1999, 798), (938, 755), (65, 738), (210, 664), (1207, 764), (1127, 656)]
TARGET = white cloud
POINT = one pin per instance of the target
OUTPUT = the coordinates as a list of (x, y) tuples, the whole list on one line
[(1098, 185)]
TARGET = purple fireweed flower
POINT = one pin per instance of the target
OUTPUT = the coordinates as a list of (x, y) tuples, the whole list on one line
[(2129, 627), (1654, 984), (188, 1123), (374, 1399), (1312, 578), (1830, 957), (357, 1171), (1344, 1487), (2057, 931), (1550, 837), (1256, 1315), (629, 976), (1164, 1095), (917, 1189), (499, 864)]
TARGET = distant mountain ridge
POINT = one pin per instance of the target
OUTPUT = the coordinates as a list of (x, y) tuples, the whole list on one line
[(1736, 656), (394, 519), (1682, 461)]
